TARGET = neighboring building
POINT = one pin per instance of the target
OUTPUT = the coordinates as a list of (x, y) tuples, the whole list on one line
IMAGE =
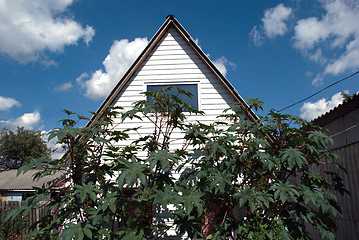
[(13, 188), (343, 122)]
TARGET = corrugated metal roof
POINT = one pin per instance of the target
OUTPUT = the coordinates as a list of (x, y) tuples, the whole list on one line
[(9, 180), (337, 112)]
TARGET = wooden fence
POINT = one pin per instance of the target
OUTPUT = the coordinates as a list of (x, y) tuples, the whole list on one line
[(21, 224)]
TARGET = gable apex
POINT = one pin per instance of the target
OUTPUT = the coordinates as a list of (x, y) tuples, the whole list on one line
[(170, 16), (170, 23)]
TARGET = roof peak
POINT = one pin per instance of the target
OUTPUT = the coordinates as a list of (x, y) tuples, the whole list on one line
[(170, 22), (170, 16)]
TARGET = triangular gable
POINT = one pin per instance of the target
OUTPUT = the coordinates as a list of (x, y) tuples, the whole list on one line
[(170, 23)]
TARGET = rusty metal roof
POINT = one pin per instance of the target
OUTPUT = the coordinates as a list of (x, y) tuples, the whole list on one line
[(337, 112), (9, 180)]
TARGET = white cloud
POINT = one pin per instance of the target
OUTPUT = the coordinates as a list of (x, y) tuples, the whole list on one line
[(337, 31), (56, 149), (318, 57), (48, 62), (348, 60), (309, 32), (274, 20), (30, 28), (122, 54), (64, 87), (318, 80), (310, 110), (7, 103), (308, 74), (273, 24), (256, 36), (221, 63), (28, 120), (80, 79)]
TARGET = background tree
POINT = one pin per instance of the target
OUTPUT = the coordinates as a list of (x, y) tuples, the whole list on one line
[(239, 179), (21, 147)]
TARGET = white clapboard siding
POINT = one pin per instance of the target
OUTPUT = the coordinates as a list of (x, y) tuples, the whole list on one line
[(173, 61), (171, 57)]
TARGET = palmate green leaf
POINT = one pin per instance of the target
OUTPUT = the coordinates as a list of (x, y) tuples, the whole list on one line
[(215, 146), (285, 190), (253, 198), (166, 196), (263, 198), (255, 103), (131, 172), (189, 198), (268, 160), (24, 169), (321, 138), (144, 194), (95, 214), (247, 196), (313, 194), (110, 202), (77, 231), (37, 163), (69, 131), (220, 180), (164, 157), (293, 157), (216, 236), (128, 233), (88, 189), (311, 148), (87, 232)]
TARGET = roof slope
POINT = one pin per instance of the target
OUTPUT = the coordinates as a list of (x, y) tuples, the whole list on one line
[(339, 111), (171, 21), (9, 180)]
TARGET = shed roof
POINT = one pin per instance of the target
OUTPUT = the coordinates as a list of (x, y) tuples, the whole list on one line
[(171, 21), (337, 112), (9, 180)]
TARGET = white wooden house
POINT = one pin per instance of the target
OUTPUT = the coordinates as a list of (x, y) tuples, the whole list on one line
[(173, 58)]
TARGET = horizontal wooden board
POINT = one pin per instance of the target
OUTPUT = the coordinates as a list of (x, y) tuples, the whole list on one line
[(173, 61)]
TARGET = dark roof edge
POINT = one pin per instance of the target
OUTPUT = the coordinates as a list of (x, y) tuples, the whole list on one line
[(170, 21), (337, 112), (108, 101), (214, 69)]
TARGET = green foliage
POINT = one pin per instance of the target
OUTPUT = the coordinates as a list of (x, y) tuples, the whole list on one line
[(20, 147), (14, 229), (239, 179)]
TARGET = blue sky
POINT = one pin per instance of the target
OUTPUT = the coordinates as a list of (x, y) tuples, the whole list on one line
[(68, 54)]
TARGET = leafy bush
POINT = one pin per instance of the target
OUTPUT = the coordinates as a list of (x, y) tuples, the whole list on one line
[(239, 179), (14, 229), (21, 147)]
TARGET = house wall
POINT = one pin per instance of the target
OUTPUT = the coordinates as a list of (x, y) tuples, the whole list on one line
[(12, 196), (348, 225), (173, 61), (345, 134), (345, 130)]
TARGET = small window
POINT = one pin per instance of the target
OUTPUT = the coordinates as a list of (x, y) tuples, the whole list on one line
[(192, 88)]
